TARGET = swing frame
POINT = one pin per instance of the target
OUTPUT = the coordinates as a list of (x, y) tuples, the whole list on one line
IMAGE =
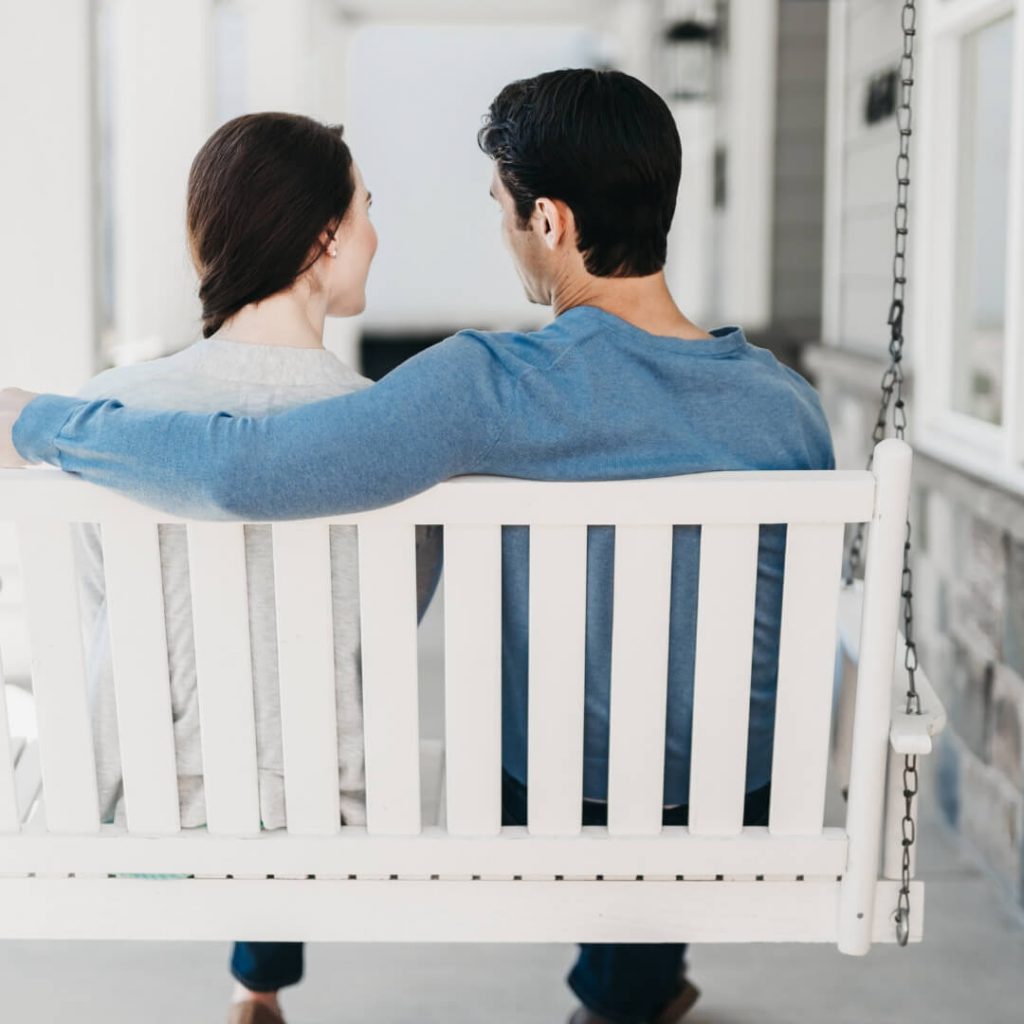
[(455, 874)]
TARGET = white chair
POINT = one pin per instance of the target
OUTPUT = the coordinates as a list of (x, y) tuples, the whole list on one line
[(463, 877)]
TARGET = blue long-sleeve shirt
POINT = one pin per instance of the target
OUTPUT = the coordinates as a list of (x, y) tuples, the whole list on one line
[(588, 397)]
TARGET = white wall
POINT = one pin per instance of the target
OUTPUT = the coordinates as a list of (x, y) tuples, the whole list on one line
[(418, 96), (47, 327), (861, 185)]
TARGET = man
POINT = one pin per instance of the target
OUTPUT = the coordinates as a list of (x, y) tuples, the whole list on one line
[(620, 385)]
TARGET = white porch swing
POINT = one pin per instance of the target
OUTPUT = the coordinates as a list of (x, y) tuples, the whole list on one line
[(433, 862)]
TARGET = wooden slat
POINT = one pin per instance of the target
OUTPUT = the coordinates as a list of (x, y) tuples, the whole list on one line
[(224, 676), (773, 497), (10, 748), (387, 598), (721, 705), (514, 852), (639, 681), (305, 654), (277, 910), (27, 778), (558, 610), (873, 712), (807, 651), (58, 676), (138, 647), (472, 593)]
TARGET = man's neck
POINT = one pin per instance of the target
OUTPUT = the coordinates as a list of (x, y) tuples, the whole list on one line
[(644, 302)]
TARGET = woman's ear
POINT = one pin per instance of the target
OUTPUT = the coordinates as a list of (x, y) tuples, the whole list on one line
[(329, 241)]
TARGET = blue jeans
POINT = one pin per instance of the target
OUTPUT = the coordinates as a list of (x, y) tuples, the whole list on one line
[(626, 983)]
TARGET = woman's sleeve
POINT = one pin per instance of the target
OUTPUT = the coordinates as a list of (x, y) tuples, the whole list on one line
[(436, 416)]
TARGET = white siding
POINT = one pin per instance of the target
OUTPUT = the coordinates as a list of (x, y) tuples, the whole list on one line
[(872, 43), (799, 167)]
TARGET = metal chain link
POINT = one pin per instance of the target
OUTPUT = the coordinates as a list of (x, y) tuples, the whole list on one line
[(893, 402)]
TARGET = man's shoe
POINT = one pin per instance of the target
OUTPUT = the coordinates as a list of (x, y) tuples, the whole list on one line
[(253, 1013), (674, 1010), (679, 1005)]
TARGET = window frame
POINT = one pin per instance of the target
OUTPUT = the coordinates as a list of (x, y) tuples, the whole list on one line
[(993, 451)]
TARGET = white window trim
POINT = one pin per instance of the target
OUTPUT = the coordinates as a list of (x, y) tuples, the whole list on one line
[(835, 142), (994, 452)]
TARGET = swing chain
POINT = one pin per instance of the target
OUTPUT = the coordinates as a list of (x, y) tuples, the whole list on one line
[(893, 402)]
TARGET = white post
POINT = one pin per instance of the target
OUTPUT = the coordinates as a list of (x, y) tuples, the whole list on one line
[(835, 138), (46, 195), (160, 118), (750, 137), (334, 33), (634, 27), (873, 709), (9, 817), (691, 243), (298, 59)]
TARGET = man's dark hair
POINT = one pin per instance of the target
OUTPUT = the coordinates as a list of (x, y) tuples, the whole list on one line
[(603, 143)]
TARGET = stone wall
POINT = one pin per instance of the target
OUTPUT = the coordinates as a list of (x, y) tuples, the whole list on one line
[(969, 613)]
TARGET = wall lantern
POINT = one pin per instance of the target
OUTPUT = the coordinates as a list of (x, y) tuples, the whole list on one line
[(689, 59)]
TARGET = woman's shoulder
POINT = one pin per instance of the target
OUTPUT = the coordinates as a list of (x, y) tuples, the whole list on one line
[(118, 381)]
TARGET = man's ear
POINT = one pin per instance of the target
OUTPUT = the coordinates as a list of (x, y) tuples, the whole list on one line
[(554, 221)]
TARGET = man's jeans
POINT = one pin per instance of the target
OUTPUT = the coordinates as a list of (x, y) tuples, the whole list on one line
[(626, 983)]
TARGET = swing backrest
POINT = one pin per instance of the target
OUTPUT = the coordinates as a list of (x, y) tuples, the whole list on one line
[(729, 507)]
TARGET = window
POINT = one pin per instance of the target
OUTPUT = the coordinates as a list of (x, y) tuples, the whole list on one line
[(982, 202), (967, 247)]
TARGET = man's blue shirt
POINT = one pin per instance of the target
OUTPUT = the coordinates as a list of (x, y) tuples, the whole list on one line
[(589, 397)]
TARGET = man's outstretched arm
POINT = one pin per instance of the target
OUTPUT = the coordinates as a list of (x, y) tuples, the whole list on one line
[(435, 417)]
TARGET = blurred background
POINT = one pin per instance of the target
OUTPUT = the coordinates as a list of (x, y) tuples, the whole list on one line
[(785, 225), (106, 103)]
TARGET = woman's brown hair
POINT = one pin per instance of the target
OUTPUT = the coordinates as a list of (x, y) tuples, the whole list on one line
[(260, 192)]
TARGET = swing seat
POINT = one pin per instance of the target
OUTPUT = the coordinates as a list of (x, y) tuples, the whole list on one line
[(434, 862)]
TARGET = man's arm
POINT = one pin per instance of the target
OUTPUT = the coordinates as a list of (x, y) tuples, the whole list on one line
[(12, 402), (435, 417)]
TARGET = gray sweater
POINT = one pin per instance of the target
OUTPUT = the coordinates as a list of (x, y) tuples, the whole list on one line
[(255, 380)]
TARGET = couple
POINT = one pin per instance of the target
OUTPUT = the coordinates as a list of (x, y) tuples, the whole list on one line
[(586, 168)]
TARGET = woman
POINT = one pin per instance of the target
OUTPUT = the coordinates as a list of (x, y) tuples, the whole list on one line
[(280, 235)]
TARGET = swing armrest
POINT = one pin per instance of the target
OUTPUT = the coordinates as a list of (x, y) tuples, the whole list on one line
[(908, 734)]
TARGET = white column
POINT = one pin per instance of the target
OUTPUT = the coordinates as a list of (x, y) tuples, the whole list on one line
[(297, 59), (634, 27), (835, 132), (691, 243), (278, 39), (161, 116), (47, 323), (330, 62), (750, 71)]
